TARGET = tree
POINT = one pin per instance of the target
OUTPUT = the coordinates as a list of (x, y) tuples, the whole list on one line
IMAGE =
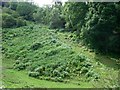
[(98, 31), (56, 18), (39, 15), (75, 14), (26, 10)]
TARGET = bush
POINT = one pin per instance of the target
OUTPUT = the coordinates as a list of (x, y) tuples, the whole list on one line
[(90, 74), (10, 12), (8, 21), (13, 5), (20, 66), (80, 58), (56, 73), (51, 52), (17, 62), (39, 15), (66, 74), (86, 64), (33, 74), (35, 46), (20, 22), (53, 41), (40, 69), (84, 70), (59, 79)]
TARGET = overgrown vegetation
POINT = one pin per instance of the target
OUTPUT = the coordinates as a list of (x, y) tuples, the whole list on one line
[(90, 22), (45, 58), (45, 51)]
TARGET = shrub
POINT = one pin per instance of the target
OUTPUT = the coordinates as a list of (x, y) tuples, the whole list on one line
[(17, 61), (84, 70), (90, 74), (67, 69), (96, 76), (13, 5), (40, 69), (75, 63), (66, 74), (20, 66), (12, 20), (86, 64), (33, 66), (56, 73), (35, 46), (51, 52), (10, 12), (53, 41), (80, 58), (39, 15), (33, 74), (59, 79), (8, 21), (20, 22)]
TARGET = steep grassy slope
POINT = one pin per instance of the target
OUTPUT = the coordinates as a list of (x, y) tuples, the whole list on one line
[(45, 54)]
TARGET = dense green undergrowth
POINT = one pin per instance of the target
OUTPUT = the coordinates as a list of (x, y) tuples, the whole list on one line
[(45, 57), (40, 52)]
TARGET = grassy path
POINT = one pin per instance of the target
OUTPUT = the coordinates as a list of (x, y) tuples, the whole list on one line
[(106, 60), (21, 79)]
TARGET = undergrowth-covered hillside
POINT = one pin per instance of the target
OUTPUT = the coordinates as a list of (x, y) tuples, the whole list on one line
[(45, 55)]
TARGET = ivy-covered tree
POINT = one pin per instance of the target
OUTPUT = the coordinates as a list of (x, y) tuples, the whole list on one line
[(99, 30), (75, 13)]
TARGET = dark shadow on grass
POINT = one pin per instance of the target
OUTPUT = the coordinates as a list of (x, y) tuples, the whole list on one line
[(108, 61)]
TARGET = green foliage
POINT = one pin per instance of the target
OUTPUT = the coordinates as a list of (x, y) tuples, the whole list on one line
[(96, 24), (5, 4), (26, 10), (51, 16), (44, 57), (11, 18), (19, 66), (56, 19), (39, 15), (10, 11), (40, 69), (100, 27), (8, 21), (51, 52), (20, 22), (90, 22), (13, 5), (75, 14), (33, 74), (36, 46)]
